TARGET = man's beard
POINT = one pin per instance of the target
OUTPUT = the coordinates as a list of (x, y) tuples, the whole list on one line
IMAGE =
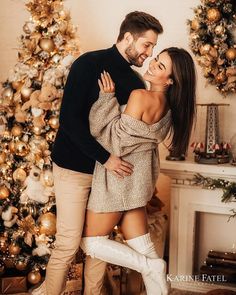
[(133, 56)]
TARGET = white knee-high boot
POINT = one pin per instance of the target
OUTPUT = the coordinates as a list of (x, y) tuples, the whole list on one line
[(144, 245), (120, 254)]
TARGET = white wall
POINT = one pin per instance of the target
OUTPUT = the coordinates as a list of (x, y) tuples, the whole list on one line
[(98, 25)]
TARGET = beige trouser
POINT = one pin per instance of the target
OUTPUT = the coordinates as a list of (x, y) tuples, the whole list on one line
[(71, 189)]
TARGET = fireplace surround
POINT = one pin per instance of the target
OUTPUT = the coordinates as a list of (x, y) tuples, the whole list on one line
[(187, 203)]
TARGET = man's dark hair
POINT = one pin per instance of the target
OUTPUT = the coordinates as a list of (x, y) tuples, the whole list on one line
[(137, 23)]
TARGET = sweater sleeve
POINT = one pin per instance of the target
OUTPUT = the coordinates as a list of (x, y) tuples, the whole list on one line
[(104, 114), (104, 121), (75, 109)]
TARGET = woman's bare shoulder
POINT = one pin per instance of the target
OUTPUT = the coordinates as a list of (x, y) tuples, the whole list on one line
[(139, 93), (135, 105), (144, 97), (138, 96)]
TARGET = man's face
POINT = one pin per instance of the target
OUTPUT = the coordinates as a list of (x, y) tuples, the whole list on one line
[(141, 48)]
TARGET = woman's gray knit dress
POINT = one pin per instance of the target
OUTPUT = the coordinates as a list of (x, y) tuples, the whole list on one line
[(134, 141)]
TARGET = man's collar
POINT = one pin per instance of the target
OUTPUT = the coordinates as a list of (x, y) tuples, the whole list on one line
[(118, 59)]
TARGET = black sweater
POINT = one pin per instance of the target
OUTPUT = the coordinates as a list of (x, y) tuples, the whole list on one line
[(74, 147)]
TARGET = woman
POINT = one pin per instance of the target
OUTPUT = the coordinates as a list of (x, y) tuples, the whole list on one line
[(169, 105)]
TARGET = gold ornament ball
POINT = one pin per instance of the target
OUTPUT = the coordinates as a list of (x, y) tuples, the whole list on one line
[(19, 175), (7, 93), (47, 178), (195, 24), (213, 15), (205, 49), (17, 85), (21, 265), (16, 130), (3, 244), (54, 122), (21, 149), (3, 157), (4, 192), (219, 30), (25, 93), (231, 54), (34, 277), (47, 224), (14, 249), (50, 136), (47, 44)]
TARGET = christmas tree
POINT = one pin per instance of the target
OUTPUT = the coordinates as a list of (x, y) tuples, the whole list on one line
[(212, 41), (29, 109)]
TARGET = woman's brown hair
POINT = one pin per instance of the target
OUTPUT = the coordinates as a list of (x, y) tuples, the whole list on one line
[(181, 96)]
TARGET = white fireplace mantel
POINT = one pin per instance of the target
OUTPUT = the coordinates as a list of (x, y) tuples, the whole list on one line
[(186, 201), (187, 168)]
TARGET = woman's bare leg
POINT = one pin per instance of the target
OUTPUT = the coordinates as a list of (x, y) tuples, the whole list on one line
[(100, 224), (134, 223), (134, 227), (96, 244)]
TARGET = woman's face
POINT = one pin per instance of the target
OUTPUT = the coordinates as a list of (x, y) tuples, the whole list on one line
[(160, 69)]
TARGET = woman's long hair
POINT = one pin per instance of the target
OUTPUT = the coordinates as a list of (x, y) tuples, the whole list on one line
[(181, 97)]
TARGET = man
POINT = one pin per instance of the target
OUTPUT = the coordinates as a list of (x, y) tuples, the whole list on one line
[(75, 150)]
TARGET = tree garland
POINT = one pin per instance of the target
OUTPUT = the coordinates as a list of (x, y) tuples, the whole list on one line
[(228, 187), (212, 41)]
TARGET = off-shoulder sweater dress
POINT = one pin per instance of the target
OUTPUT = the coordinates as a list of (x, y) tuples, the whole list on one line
[(133, 140)]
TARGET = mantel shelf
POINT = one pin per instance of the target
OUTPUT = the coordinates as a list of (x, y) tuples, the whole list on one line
[(180, 169)]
